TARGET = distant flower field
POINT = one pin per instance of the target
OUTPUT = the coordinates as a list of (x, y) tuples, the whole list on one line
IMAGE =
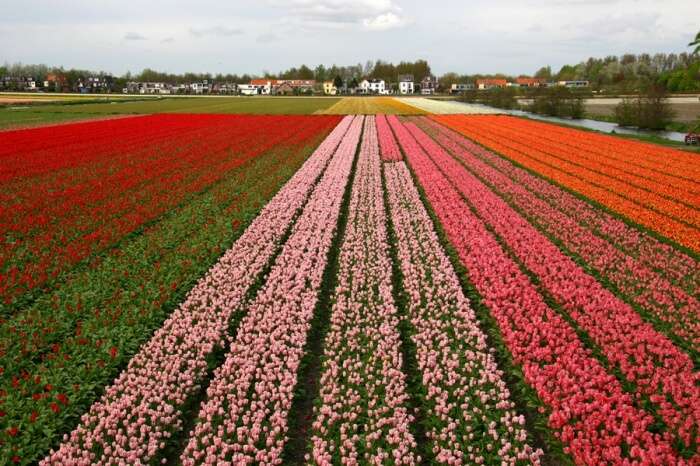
[(400, 289), (447, 106), (369, 105)]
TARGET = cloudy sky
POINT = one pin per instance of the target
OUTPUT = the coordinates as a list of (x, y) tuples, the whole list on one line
[(466, 36)]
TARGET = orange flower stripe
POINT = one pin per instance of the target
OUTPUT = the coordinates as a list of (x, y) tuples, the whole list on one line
[(657, 190)]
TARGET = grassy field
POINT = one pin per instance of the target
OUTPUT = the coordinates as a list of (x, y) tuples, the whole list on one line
[(36, 114), (372, 106)]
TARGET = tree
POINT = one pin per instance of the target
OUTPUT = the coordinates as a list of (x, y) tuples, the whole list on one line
[(545, 73), (649, 110), (320, 73), (696, 43), (338, 82)]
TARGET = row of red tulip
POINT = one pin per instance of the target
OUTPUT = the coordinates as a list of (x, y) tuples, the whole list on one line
[(647, 359), (676, 310), (362, 416), (588, 410), (468, 406), (676, 266), (676, 219), (140, 411), (58, 220), (244, 417)]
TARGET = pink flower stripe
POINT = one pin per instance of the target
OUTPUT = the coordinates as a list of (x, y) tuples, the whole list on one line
[(244, 418), (645, 357), (472, 419), (362, 415), (141, 409), (676, 266), (588, 410), (678, 311), (390, 150)]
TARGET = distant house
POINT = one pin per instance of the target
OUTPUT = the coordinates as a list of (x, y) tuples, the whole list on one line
[(300, 86), (203, 87), (428, 85), (329, 88), (264, 86), (530, 82), (578, 83), (373, 86), (55, 82), (94, 84), (406, 84), (148, 88), (284, 88), (18, 83), (458, 88), (224, 88), (490, 83), (248, 89)]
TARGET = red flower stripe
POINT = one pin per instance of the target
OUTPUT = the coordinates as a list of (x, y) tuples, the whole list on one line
[(59, 219), (646, 358), (670, 305), (675, 220), (142, 408), (244, 418), (362, 410), (465, 390), (589, 411), (679, 268)]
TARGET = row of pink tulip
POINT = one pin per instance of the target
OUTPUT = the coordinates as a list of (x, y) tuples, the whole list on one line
[(132, 422), (244, 418), (595, 419), (676, 309), (679, 268), (389, 150), (648, 359), (362, 414), (471, 416)]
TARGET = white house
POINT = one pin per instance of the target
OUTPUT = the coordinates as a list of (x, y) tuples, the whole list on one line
[(373, 86), (579, 83), (406, 85), (428, 85), (200, 88), (248, 89), (461, 87)]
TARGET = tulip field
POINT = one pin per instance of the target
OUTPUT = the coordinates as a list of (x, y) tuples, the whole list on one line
[(394, 289)]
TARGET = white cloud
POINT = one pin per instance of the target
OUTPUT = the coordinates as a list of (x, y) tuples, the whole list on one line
[(384, 21), (267, 38), (466, 36), (343, 14), (220, 31), (134, 36)]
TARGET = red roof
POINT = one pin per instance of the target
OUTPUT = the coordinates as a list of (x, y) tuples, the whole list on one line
[(263, 82), (530, 81), (492, 82)]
